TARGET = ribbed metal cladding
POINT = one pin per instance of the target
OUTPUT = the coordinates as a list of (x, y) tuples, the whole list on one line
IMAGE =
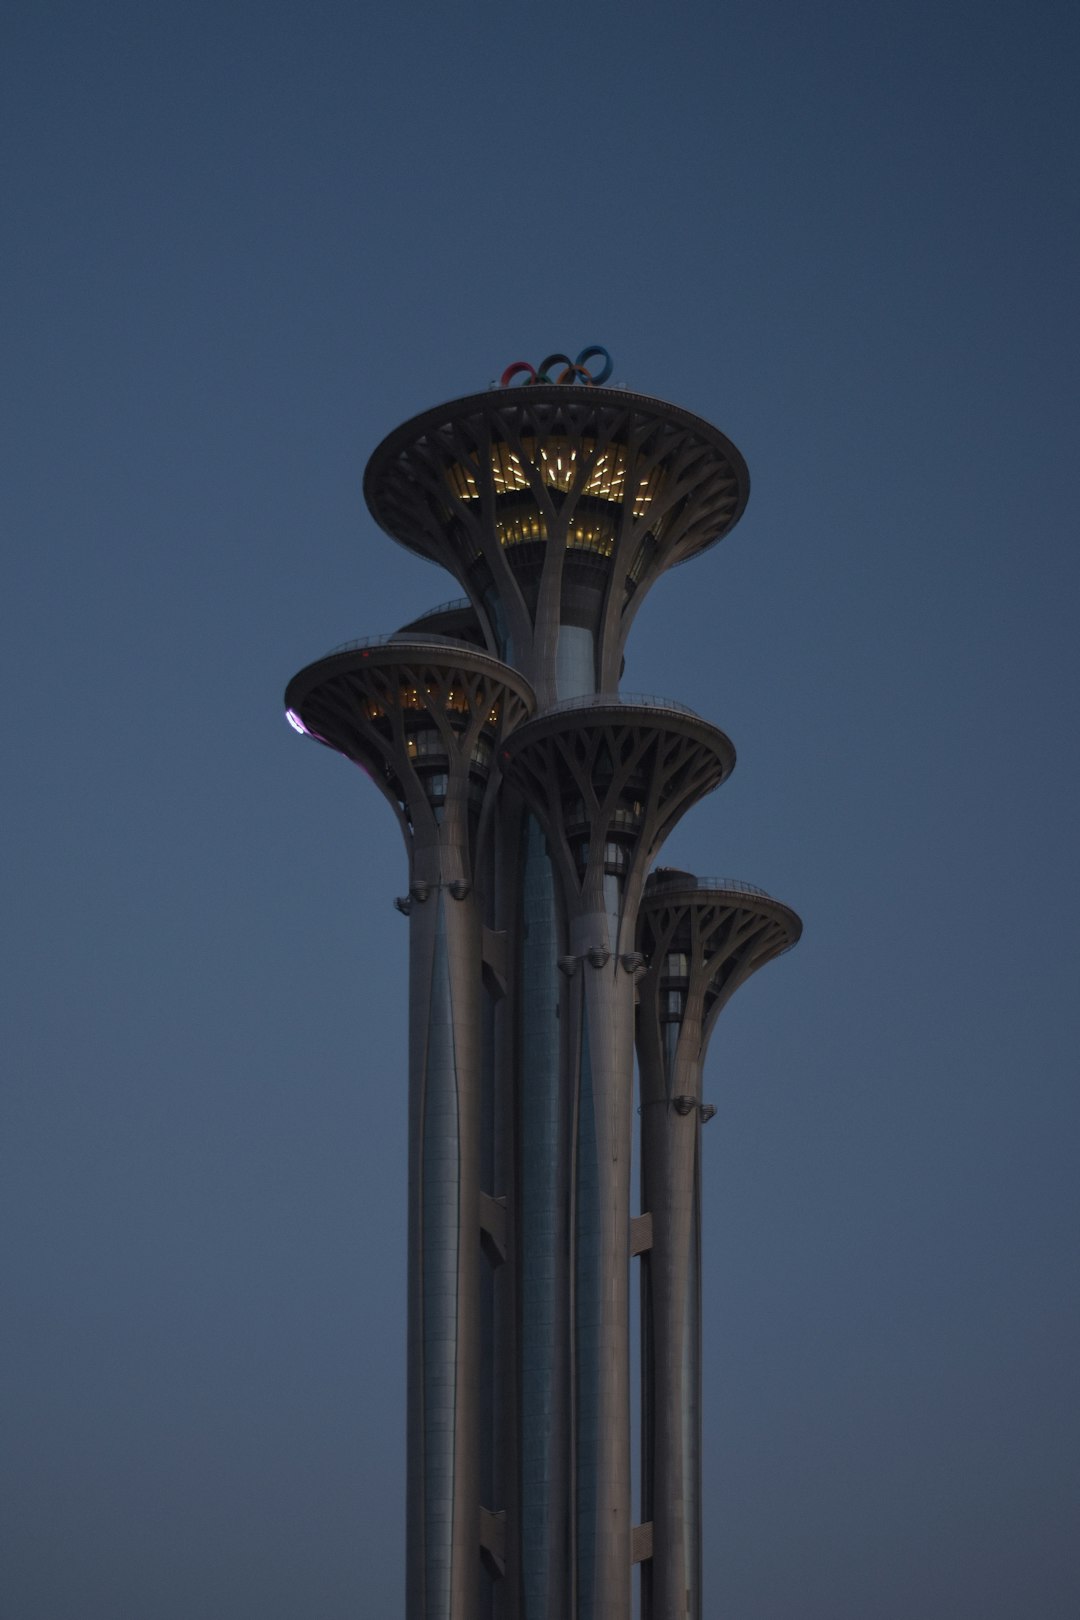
[(700, 943)]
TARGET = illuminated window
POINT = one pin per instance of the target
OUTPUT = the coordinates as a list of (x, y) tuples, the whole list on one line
[(518, 531), (562, 464), (595, 534)]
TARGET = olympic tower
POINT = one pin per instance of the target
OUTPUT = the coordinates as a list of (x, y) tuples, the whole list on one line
[(534, 797)]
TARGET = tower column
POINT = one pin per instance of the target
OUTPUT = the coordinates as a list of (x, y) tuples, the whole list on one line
[(425, 720), (701, 939), (602, 996), (671, 1363), (443, 1431), (541, 1201), (607, 778), (557, 506)]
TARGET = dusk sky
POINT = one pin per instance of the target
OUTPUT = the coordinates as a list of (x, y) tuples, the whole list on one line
[(244, 242)]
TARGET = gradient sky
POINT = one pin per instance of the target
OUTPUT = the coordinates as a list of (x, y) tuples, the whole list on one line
[(243, 243)]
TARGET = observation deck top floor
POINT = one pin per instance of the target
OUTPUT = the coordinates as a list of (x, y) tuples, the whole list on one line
[(556, 507)]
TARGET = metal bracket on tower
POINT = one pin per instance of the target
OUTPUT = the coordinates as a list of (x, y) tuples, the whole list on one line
[(493, 1540), (640, 1233), (641, 1539), (494, 960), (493, 1227)]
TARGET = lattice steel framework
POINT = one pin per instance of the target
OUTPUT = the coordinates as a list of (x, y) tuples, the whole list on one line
[(533, 800)]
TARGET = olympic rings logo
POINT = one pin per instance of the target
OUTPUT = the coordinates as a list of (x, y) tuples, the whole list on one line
[(574, 370)]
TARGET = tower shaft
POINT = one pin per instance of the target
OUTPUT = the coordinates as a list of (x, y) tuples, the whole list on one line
[(601, 998), (671, 1372), (424, 720), (700, 941), (606, 779), (443, 1464)]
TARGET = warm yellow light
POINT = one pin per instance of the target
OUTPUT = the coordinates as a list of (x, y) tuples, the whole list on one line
[(555, 462)]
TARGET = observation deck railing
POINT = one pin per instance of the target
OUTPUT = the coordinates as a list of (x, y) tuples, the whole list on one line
[(661, 882), (455, 605), (616, 700), (422, 637)]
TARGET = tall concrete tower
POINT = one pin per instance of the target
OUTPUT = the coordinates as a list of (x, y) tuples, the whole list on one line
[(700, 938), (534, 798)]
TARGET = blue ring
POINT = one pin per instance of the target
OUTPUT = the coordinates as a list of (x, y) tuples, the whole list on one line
[(588, 354)]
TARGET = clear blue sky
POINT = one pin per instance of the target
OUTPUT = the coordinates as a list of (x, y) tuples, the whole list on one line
[(244, 242)]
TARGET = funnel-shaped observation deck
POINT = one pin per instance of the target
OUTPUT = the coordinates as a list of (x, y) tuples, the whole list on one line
[(556, 507)]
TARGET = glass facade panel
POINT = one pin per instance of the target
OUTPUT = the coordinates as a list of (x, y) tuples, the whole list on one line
[(575, 662), (422, 744), (670, 1033)]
